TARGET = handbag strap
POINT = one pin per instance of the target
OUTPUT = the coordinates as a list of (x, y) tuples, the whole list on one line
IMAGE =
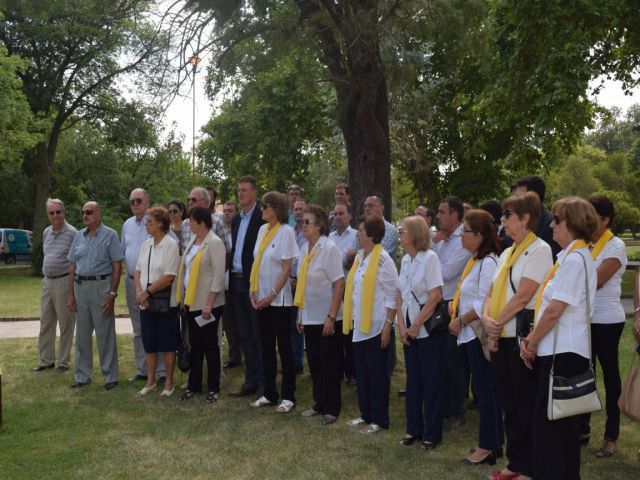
[(149, 264), (588, 303)]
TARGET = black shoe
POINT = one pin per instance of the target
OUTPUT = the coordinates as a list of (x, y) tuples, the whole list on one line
[(62, 369), (489, 459), (408, 439), (79, 384), (40, 368), (162, 380), (137, 377), (230, 364), (351, 381), (499, 452), (402, 393), (428, 445), (110, 385), (245, 391)]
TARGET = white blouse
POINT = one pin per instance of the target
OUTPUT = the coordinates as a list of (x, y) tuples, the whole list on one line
[(165, 260), (608, 307), (418, 275), (473, 290), (384, 294), (568, 286)]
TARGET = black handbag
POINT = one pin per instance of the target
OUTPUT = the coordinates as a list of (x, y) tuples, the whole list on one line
[(439, 320), (524, 318), (160, 301), (182, 355)]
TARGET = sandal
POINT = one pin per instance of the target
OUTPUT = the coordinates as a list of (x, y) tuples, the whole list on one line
[(285, 406), (188, 395), (212, 397), (602, 452)]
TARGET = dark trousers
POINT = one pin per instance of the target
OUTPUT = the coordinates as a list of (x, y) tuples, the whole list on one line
[(515, 387), (556, 447), (231, 331), (491, 435), (425, 360), (204, 343), (248, 330), (374, 382), (605, 339), (324, 358), (348, 369), (455, 380), (297, 340), (275, 327)]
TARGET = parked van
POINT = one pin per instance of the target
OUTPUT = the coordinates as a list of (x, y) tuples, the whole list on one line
[(15, 245)]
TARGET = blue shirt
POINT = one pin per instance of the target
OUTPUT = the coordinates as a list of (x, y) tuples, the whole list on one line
[(95, 255), (245, 218)]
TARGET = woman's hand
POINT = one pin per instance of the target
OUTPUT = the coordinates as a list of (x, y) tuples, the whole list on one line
[(385, 336), (413, 330), (492, 327), (404, 337), (299, 328), (455, 326), (264, 302), (528, 352), (206, 312), (254, 300), (450, 308), (142, 297), (329, 327), (492, 344)]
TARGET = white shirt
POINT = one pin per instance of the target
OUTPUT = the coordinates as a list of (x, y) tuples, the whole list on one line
[(384, 294), (607, 306), (473, 290), (324, 269), (282, 247), (134, 234), (568, 286), (534, 264), (165, 260), (453, 257), (188, 260), (418, 275), (344, 241)]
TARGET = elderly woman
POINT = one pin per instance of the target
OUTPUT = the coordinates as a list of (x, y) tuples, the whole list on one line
[(607, 322), (521, 269), (560, 336), (369, 310), (155, 271), (177, 213), (271, 297), (201, 295), (419, 292), (318, 296), (479, 237)]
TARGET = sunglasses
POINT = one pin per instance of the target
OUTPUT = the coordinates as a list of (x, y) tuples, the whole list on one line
[(192, 200), (55, 212), (306, 221), (557, 219), (135, 201), (507, 213), (87, 212), (174, 210)]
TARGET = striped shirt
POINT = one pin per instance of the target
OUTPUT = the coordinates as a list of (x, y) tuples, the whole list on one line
[(218, 228), (95, 255), (56, 244)]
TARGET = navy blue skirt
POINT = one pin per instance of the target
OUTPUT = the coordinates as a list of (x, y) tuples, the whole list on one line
[(160, 331)]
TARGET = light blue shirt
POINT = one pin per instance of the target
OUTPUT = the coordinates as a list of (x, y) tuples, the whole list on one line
[(95, 255), (134, 234), (245, 218)]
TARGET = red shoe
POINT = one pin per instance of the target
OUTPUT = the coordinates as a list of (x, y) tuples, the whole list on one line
[(499, 475)]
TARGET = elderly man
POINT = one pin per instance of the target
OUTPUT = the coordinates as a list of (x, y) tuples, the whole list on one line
[(134, 234), (425, 213), (199, 197), (294, 193), (229, 211), (341, 195), (94, 276), (375, 206), (56, 241)]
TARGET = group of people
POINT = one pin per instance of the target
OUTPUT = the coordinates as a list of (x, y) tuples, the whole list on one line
[(497, 294)]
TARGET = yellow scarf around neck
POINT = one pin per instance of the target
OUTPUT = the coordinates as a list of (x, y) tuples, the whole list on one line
[(194, 275), (269, 235), (368, 292), (601, 243), (301, 285), (456, 297)]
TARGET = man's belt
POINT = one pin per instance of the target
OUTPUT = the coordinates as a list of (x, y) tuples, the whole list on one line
[(83, 278), (53, 277), (236, 274)]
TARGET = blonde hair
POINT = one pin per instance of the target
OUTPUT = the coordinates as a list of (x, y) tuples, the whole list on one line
[(416, 227)]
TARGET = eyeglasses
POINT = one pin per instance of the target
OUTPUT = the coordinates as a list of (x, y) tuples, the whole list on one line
[(507, 213), (308, 221), (402, 230), (557, 219), (192, 199), (87, 212), (149, 219), (174, 210), (55, 212), (135, 201), (265, 206), (467, 230)]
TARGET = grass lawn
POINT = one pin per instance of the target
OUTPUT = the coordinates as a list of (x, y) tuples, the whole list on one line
[(52, 432)]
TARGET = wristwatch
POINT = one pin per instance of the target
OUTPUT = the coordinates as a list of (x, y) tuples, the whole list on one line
[(389, 321), (113, 294)]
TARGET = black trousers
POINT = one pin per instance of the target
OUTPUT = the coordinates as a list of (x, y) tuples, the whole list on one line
[(556, 446), (348, 370), (456, 383), (275, 328), (204, 343), (605, 339), (324, 354), (372, 373), (515, 388)]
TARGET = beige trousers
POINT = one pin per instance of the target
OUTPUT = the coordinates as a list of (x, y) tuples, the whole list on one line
[(53, 310)]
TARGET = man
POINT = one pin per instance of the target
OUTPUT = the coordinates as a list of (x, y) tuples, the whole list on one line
[(297, 339), (94, 276), (245, 228), (341, 195), (294, 193), (56, 241), (134, 234), (533, 183), (213, 196), (229, 211), (344, 237), (425, 213), (375, 206), (199, 197), (453, 258)]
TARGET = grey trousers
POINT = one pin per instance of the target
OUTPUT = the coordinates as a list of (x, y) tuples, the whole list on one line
[(54, 310), (138, 347), (89, 296)]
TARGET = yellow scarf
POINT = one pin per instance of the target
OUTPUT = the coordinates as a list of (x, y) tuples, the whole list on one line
[(456, 296), (368, 291), (550, 275), (190, 294), (301, 285), (269, 235), (600, 244)]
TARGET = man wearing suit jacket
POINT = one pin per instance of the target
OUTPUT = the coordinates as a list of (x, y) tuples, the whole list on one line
[(244, 231)]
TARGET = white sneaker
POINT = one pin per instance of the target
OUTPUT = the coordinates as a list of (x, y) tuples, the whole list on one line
[(285, 406), (371, 428), (167, 393), (260, 402), (146, 390), (355, 421)]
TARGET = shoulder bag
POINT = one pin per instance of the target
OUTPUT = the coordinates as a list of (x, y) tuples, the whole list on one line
[(160, 301), (629, 401)]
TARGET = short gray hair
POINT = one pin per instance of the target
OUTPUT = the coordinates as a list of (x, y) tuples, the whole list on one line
[(205, 194), (51, 201)]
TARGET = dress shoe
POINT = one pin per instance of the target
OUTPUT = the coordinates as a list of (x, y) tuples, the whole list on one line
[(137, 378), (62, 369), (408, 440), (489, 459), (245, 390), (371, 428), (230, 364), (428, 445), (329, 419), (402, 393), (79, 384), (142, 392), (309, 413), (110, 385), (41, 368)]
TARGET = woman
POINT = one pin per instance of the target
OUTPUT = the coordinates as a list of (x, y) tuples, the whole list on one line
[(318, 296), (369, 310), (607, 322), (521, 269), (155, 271), (561, 312), (419, 292), (201, 294), (177, 214), (271, 297), (479, 237)]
